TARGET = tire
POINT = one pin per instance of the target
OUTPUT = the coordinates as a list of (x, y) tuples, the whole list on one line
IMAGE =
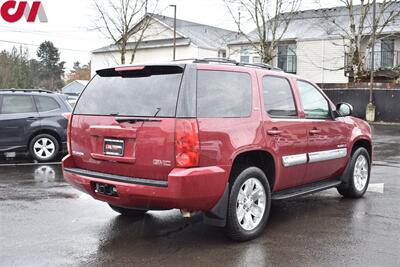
[(128, 212), (243, 223), (357, 175), (44, 148)]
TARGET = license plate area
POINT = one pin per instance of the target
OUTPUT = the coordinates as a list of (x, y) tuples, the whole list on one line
[(105, 189), (113, 147)]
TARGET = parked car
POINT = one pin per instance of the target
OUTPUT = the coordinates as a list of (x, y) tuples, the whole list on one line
[(32, 121), (72, 100), (223, 138)]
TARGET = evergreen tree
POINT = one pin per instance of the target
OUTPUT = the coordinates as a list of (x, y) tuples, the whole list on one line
[(51, 68)]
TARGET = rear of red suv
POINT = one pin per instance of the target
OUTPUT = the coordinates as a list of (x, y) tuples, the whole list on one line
[(225, 139), (134, 141)]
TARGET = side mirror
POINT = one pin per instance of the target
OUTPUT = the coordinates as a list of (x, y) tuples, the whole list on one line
[(344, 109)]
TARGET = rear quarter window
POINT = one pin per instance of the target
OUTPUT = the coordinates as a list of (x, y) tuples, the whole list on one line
[(45, 103), (223, 94)]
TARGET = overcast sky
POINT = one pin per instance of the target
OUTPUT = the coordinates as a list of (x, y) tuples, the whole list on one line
[(70, 22)]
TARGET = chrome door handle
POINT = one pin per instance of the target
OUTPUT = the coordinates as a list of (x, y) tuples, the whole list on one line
[(274, 132), (315, 131), (32, 118)]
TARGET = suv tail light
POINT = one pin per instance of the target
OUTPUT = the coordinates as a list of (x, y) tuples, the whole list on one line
[(187, 143), (68, 116)]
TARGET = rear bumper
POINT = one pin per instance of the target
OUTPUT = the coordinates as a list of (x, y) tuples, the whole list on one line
[(193, 189)]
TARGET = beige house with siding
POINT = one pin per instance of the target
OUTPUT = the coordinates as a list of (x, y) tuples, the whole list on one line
[(194, 40), (313, 48)]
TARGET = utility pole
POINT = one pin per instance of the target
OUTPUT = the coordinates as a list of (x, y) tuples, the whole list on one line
[(239, 19), (370, 112), (174, 51), (145, 7)]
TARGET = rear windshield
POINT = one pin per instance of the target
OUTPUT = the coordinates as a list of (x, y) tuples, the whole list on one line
[(155, 95)]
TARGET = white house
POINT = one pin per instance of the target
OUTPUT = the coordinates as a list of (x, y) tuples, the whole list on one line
[(193, 40), (313, 48)]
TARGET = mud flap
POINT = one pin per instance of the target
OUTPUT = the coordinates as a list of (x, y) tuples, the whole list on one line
[(346, 175), (217, 215)]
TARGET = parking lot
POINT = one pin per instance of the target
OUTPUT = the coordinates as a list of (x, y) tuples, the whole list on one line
[(44, 221)]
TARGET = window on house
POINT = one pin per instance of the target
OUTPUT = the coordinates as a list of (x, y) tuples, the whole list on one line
[(245, 59), (387, 53), (256, 60), (287, 60), (384, 54)]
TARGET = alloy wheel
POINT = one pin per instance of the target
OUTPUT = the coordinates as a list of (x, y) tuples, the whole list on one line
[(44, 148), (360, 173), (250, 204)]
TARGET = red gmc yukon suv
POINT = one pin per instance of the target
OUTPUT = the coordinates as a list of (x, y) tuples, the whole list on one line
[(217, 137)]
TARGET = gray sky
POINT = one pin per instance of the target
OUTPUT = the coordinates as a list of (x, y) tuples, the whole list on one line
[(70, 21)]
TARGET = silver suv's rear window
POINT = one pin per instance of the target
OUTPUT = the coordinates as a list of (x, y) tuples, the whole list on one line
[(131, 95)]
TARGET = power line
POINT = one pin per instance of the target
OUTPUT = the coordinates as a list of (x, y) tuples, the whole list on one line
[(36, 45)]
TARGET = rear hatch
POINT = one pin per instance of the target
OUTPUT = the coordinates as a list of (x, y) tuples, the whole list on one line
[(124, 122)]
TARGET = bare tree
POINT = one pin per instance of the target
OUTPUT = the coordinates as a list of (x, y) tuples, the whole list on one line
[(271, 19), (124, 22), (359, 29)]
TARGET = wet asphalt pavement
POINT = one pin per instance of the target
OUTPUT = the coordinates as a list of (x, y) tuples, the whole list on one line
[(45, 222)]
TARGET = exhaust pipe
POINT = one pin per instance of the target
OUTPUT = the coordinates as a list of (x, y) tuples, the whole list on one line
[(107, 190), (101, 189), (187, 213)]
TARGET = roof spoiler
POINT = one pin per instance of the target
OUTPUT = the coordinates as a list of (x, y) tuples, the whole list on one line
[(140, 71)]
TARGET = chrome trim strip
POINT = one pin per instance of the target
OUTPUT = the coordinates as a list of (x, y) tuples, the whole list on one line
[(293, 160), (117, 178), (327, 155)]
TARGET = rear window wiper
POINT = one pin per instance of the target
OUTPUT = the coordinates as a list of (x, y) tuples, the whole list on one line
[(134, 120)]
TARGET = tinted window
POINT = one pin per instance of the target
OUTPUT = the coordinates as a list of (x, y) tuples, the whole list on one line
[(17, 104), (223, 94), (278, 97), (131, 96), (45, 103), (314, 104)]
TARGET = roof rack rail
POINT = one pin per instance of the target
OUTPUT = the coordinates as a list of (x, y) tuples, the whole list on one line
[(231, 61), (29, 90), (261, 65), (217, 60)]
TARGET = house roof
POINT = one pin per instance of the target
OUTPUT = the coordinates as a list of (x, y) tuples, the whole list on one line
[(201, 35), (317, 24), (74, 87)]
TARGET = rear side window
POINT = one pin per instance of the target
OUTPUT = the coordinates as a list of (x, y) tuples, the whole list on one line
[(17, 104), (223, 94), (45, 103), (125, 95), (278, 97)]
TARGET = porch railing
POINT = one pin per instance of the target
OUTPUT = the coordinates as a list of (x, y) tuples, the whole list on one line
[(384, 60)]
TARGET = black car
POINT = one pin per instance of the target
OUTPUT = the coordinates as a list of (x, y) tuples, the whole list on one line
[(32, 121)]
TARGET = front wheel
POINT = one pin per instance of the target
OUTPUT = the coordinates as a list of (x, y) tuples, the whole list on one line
[(357, 176), (128, 212), (249, 205)]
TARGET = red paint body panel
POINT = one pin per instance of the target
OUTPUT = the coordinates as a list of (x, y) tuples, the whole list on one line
[(150, 150), (192, 189), (144, 142)]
